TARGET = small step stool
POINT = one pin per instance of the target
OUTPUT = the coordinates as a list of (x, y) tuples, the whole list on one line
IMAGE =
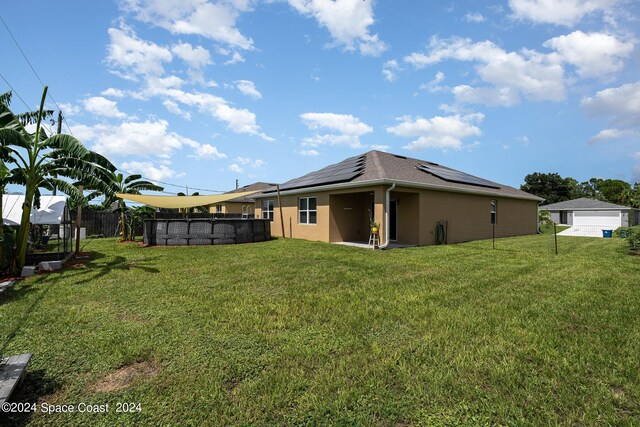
[(374, 240)]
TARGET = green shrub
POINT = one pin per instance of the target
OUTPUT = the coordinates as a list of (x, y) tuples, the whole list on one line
[(634, 239), (544, 219)]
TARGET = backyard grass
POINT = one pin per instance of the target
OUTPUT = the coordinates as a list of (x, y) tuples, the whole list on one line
[(290, 332)]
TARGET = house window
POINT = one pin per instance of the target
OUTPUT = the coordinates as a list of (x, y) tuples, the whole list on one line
[(307, 210), (218, 209), (494, 212), (267, 210)]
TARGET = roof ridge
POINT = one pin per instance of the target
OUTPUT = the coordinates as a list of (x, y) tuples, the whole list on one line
[(595, 204), (378, 167)]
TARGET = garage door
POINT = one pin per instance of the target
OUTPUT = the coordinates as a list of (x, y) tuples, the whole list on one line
[(609, 218)]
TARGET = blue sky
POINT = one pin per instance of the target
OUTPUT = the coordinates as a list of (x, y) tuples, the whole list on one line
[(201, 93)]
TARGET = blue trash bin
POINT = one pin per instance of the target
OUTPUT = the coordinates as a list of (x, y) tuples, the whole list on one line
[(607, 234)]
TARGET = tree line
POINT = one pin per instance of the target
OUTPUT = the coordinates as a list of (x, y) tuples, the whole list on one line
[(554, 188)]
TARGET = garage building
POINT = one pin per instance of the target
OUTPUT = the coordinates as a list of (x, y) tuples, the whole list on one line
[(590, 212)]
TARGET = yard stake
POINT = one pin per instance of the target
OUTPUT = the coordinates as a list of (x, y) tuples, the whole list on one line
[(493, 235), (555, 237), (79, 220), (280, 209)]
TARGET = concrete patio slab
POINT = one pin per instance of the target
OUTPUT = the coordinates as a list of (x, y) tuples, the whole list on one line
[(585, 231)]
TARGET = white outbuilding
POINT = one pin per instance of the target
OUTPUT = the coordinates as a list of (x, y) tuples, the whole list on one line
[(52, 211)]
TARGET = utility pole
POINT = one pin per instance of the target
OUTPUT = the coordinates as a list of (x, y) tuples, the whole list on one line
[(237, 184), (55, 190)]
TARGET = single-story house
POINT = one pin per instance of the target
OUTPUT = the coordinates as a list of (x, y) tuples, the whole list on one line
[(590, 212), (243, 204), (415, 202)]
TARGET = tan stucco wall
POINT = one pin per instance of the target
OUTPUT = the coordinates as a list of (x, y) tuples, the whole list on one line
[(230, 207), (408, 212), (327, 228), (467, 215)]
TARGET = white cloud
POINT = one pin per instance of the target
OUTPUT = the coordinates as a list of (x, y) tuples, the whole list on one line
[(238, 120), (69, 109), (235, 168), (309, 152), (235, 58), (559, 12), (344, 129), (474, 17), (197, 57), (247, 87), (524, 140), (609, 134), (622, 106), (505, 96), (112, 92), (134, 55), (510, 75), (347, 21), (208, 151), (216, 21), (174, 108), (593, 54), (159, 84), (388, 74), (434, 85), (620, 103), (103, 107), (247, 161), (380, 147), (151, 171), (133, 138), (437, 132), (389, 69)]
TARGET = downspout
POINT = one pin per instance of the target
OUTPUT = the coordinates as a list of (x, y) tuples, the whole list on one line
[(386, 216)]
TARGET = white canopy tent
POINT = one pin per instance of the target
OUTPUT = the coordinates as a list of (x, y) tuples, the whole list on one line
[(51, 212)]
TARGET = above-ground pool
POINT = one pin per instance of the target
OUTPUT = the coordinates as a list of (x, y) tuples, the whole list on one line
[(190, 232)]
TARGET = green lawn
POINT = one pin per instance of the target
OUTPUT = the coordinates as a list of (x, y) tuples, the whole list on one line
[(291, 332)]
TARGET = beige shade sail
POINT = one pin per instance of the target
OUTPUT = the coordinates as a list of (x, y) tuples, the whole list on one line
[(176, 202)]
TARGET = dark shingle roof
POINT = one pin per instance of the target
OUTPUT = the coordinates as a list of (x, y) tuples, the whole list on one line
[(380, 165), (256, 186), (582, 203)]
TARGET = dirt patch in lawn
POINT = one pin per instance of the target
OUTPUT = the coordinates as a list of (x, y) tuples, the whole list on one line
[(126, 376)]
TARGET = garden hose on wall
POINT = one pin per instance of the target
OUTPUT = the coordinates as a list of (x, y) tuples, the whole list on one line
[(440, 233)]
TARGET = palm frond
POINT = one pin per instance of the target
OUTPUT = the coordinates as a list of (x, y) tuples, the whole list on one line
[(131, 178), (64, 186), (5, 98), (31, 117), (9, 137)]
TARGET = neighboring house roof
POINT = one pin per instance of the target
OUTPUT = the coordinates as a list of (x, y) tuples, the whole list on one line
[(377, 167), (583, 203), (256, 186)]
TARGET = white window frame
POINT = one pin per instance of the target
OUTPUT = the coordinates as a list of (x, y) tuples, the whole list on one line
[(268, 212), (218, 208), (307, 210)]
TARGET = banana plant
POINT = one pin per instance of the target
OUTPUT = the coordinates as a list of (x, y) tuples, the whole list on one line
[(133, 184), (40, 161)]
